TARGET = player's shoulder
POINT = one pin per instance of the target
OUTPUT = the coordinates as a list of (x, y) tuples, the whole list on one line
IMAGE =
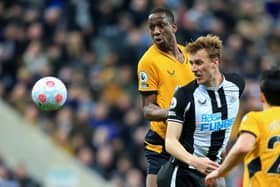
[(235, 79), (188, 88), (149, 54), (181, 46), (253, 115), (184, 94)]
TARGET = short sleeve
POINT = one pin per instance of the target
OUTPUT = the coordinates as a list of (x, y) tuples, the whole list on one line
[(147, 76), (237, 80), (178, 107)]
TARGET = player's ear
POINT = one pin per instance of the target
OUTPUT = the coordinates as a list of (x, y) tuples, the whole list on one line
[(216, 61), (174, 27), (262, 98)]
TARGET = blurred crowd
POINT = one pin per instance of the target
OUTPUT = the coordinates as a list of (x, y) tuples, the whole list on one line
[(93, 46)]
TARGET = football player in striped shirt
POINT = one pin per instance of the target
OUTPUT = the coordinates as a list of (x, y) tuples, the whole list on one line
[(201, 115)]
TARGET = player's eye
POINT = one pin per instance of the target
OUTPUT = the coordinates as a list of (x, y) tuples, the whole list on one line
[(152, 27), (162, 25), (198, 62)]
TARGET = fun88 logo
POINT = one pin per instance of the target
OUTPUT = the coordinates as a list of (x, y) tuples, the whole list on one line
[(213, 122)]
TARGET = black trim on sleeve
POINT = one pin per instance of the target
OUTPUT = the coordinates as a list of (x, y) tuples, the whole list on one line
[(249, 132), (145, 93), (177, 112)]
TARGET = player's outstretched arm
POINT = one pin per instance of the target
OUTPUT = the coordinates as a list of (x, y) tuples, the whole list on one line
[(243, 145)]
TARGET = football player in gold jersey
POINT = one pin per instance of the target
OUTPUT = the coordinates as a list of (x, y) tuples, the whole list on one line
[(163, 68), (258, 143)]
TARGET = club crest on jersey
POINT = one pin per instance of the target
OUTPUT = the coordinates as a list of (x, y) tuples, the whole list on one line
[(232, 98), (143, 76), (173, 103), (201, 100)]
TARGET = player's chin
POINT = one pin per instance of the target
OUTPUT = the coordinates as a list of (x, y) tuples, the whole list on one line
[(158, 44), (162, 46), (199, 80)]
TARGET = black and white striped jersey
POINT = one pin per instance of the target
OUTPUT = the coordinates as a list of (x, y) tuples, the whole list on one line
[(207, 115)]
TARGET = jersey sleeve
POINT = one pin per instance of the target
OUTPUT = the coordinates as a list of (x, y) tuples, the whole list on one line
[(147, 76), (249, 124), (238, 80), (178, 107)]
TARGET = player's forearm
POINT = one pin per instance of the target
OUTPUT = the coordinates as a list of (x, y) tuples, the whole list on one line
[(178, 151), (234, 158), (155, 113), (243, 145)]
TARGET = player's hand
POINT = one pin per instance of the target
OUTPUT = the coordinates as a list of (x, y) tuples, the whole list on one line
[(210, 178), (205, 165)]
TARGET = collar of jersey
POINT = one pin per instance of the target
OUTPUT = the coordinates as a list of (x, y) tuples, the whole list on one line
[(168, 55), (214, 88)]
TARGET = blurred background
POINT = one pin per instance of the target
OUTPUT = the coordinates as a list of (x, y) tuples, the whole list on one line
[(93, 46)]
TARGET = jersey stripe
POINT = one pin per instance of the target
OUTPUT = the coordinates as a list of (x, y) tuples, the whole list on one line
[(215, 108), (217, 137), (223, 109)]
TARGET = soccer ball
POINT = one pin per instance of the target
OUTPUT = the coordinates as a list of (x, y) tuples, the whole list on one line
[(49, 93)]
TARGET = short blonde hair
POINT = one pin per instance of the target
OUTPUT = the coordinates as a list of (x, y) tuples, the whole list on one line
[(212, 44)]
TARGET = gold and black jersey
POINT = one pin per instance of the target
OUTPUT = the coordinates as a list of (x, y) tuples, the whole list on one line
[(161, 73), (262, 164)]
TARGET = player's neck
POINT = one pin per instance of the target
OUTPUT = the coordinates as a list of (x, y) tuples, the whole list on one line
[(176, 53), (216, 81), (266, 106), (173, 49)]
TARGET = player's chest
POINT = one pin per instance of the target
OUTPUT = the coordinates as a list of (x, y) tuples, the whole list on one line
[(215, 110), (213, 100), (172, 71)]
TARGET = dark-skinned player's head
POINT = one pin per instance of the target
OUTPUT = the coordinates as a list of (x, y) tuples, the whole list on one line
[(166, 11), (162, 28)]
